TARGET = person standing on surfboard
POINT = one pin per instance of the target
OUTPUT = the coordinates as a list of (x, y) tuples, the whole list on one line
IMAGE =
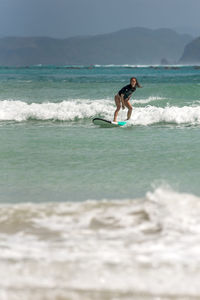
[(124, 96)]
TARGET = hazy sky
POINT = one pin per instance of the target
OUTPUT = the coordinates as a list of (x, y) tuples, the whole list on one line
[(64, 18)]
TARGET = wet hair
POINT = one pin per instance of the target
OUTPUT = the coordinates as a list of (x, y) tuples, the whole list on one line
[(137, 83)]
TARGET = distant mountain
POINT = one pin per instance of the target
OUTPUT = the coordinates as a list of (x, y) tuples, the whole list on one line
[(191, 54), (129, 46)]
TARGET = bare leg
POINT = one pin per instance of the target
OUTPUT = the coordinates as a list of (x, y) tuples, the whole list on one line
[(130, 108), (118, 104)]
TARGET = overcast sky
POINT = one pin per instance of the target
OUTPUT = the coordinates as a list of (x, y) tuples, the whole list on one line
[(65, 18)]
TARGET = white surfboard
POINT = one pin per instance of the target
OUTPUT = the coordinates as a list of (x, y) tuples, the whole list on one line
[(107, 123)]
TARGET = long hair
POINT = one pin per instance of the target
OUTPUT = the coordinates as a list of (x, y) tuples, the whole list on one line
[(137, 82)]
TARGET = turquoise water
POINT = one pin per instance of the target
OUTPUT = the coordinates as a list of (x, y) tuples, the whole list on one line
[(96, 213), (51, 151)]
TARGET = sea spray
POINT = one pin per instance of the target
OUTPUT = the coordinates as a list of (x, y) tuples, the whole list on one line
[(102, 245), (79, 110)]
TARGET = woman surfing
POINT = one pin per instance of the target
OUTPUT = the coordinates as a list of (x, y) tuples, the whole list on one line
[(124, 96)]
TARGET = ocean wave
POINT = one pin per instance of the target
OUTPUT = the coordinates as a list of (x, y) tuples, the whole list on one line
[(148, 100), (143, 66), (162, 207), (64, 111), (169, 115), (86, 109), (159, 213), (103, 247)]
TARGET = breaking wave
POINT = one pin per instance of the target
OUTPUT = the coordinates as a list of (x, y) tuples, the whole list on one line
[(74, 110), (86, 250)]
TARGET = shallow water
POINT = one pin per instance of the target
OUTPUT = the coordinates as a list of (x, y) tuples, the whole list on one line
[(99, 213)]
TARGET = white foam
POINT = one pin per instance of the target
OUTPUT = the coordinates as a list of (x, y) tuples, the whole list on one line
[(81, 109), (176, 211), (141, 66), (170, 114), (148, 100), (63, 111), (149, 246)]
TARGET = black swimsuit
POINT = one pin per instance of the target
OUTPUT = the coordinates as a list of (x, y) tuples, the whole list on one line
[(127, 91)]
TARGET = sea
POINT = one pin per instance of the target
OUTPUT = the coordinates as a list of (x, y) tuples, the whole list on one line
[(95, 213)]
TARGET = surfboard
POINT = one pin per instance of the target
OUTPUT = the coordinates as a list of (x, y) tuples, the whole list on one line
[(107, 123)]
